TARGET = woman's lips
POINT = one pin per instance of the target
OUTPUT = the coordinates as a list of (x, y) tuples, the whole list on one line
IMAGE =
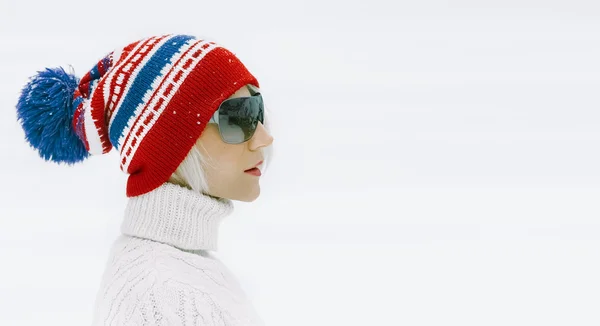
[(254, 171)]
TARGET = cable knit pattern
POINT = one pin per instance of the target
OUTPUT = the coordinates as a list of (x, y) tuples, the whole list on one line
[(160, 271)]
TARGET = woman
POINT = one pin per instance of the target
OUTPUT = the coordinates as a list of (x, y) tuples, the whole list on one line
[(187, 118)]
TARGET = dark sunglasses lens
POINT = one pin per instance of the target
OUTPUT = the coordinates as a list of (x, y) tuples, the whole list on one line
[(238, 118)]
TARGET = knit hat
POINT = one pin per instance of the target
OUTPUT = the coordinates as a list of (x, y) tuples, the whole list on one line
[(150, 100)]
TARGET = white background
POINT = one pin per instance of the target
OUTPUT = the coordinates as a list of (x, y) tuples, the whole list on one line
[(436, 163)]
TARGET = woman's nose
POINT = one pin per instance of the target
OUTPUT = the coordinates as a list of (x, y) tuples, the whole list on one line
[(261, 138)]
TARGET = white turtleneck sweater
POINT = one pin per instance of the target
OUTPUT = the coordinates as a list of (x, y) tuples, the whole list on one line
[(160, 270)]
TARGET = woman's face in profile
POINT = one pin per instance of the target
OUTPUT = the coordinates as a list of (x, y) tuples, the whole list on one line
[(226, 165)]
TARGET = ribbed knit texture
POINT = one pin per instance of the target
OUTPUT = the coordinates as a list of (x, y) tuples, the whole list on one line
[(176, 215), (162, 269)]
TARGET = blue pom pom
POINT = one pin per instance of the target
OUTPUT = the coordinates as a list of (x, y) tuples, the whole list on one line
[(45, 110)]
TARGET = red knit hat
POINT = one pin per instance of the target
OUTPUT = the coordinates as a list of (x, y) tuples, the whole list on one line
[(150, 100)]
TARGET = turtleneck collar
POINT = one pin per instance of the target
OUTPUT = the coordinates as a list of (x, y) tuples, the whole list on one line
[(177, 216)]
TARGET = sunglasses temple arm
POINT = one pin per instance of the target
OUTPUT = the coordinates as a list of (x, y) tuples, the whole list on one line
[(213, 119)]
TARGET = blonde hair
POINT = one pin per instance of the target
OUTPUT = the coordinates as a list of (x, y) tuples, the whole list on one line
[(190, 172)]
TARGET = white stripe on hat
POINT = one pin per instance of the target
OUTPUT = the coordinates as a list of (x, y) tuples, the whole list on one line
[(91, 132), (117, 63), (133, 74)]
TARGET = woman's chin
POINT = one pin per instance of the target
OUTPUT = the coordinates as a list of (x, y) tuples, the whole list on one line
[(250, 196)]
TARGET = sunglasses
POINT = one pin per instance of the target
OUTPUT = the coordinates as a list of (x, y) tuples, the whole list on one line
[(237, 118)]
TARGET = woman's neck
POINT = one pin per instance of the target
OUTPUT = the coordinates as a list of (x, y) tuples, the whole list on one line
[(177, 216)]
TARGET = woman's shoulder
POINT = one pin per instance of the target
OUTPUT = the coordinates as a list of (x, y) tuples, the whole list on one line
[(163, 258), (150, 272), (131, 256)]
